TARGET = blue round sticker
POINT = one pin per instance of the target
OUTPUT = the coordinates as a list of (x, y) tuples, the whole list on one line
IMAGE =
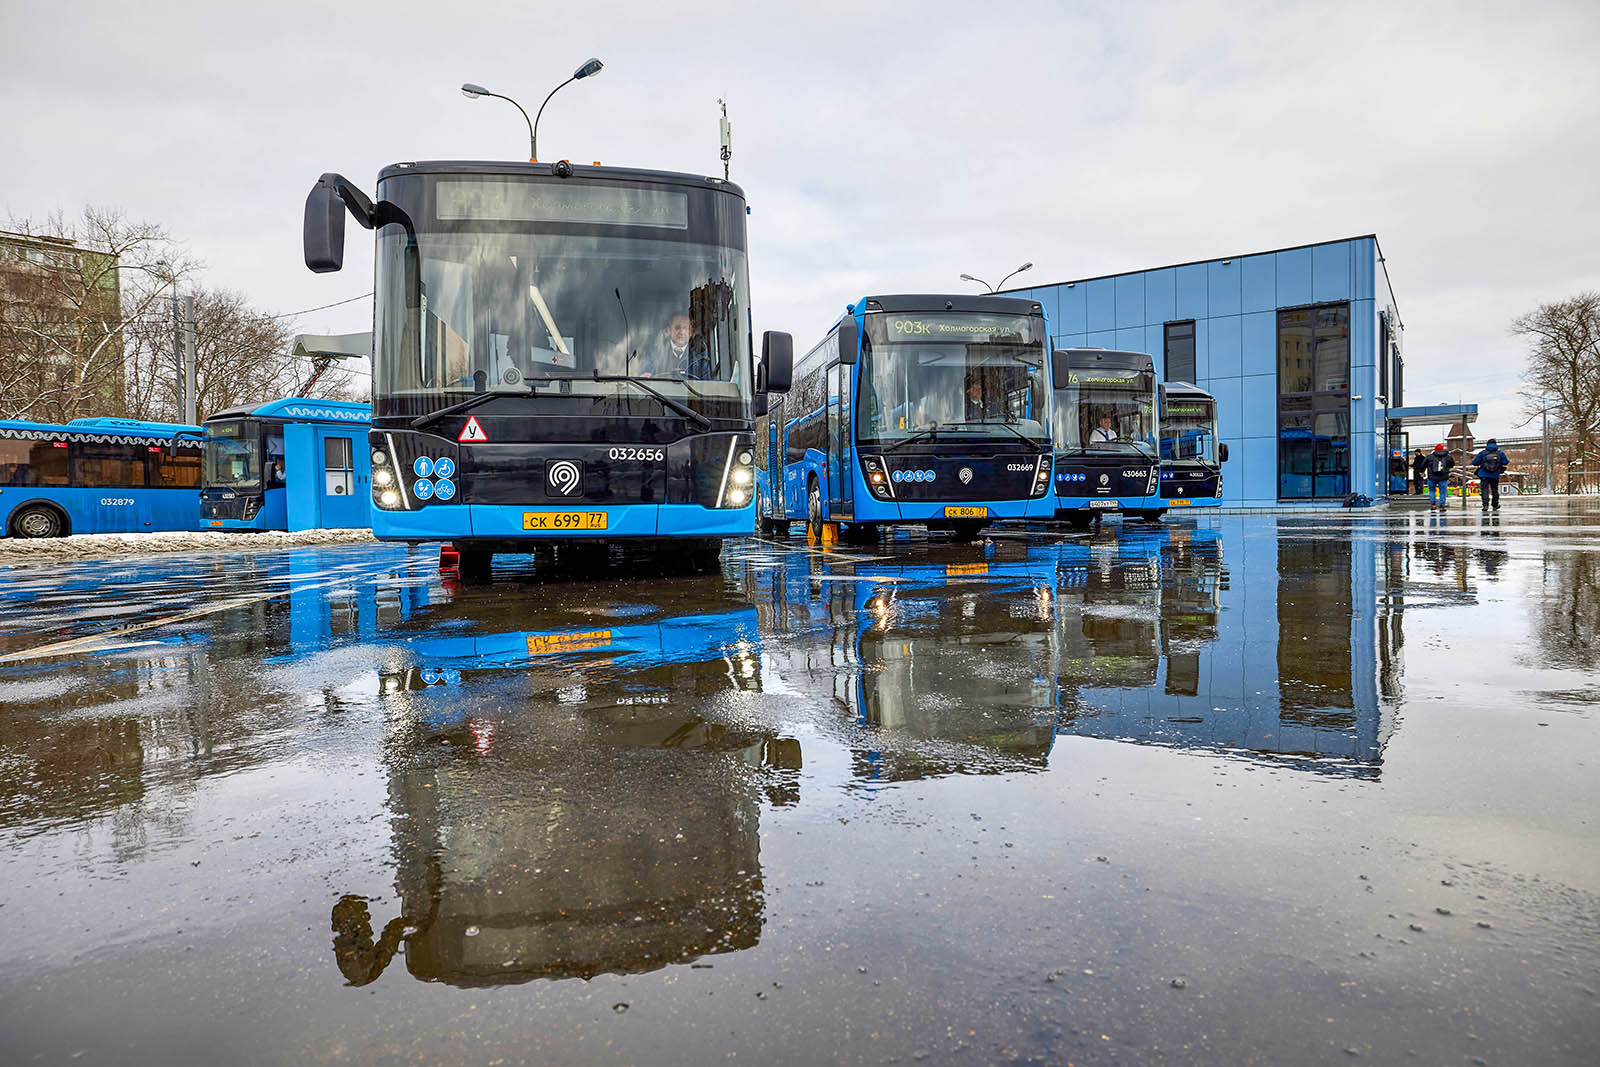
[(422, 489), (444, 468), (423, 466), (444, 488)]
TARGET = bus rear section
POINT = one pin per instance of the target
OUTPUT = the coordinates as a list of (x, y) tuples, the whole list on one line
[(98, 475), (915, 409), (562, 355), (290, 464), (1191, 455), (1106, 434)]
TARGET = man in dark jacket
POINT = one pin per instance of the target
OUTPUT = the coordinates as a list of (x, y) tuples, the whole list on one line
[(1491, 464), (1419, 471), (1439, 465)]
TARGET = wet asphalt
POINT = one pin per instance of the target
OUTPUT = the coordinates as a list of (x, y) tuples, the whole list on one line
[(1234, 789)]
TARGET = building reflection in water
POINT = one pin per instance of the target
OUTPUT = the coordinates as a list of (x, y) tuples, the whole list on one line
[(570, 802)]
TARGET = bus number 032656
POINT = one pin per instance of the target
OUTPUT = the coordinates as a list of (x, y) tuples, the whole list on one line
[(637, 453)]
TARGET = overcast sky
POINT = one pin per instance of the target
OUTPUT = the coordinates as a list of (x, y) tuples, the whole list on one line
[(882, 146)]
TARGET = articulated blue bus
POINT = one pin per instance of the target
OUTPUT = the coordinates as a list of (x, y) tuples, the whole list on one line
[(291, 464), (98, 476), (560, 353), (913, 409), (1191, 455), (1106, 429)]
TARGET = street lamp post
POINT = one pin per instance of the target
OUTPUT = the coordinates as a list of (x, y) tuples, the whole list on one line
[(473, 92), (992, 288)]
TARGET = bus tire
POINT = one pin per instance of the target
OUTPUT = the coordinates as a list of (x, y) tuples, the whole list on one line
[(858, 533), (38, 520), (814, 510), (968, 531), (477, 565)]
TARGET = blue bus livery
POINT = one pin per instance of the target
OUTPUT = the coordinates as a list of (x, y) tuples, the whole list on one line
[(922, 409), (98, 475), (291, 464), (571, 345), (1191, 455), (1106, 431)]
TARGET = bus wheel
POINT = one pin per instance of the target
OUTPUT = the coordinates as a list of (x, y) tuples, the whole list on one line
[(968, 531), (476, 565), (814, 511), (37, 520)]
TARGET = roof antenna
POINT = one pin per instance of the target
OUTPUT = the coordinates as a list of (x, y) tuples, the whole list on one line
[(727, 139)]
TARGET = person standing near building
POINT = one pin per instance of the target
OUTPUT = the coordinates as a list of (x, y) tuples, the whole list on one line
[(1419, 471), (1439, 464), (1491, 464)]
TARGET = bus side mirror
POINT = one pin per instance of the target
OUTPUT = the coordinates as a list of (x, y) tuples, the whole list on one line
[(324, 229), (323, 232), (760, 405), (1059, 377), (777, 359), (1222, 452), (849, 341)]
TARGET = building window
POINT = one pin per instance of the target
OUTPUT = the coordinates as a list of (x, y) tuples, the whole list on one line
[(1179, 352), (1314, 402)]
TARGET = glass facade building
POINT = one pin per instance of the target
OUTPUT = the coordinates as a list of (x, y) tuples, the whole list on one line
[(1302, 347)]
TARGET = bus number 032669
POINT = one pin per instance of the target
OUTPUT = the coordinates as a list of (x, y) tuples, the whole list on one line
[(637, 453)]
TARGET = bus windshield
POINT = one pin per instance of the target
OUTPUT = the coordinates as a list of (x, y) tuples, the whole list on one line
[(1107, 411), (233, 455), (1188, 431), (518, 286), (967, 374)]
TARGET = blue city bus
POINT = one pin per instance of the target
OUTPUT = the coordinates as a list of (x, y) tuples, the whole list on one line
[(1106, 429), (560, 353), (291, 464), (920, 409), (1191, 455), (98, 476)]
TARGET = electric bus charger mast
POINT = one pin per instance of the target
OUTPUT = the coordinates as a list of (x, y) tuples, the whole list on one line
[(561, 354)]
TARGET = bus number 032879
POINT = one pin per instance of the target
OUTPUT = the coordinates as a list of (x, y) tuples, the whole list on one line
[(637, 453)]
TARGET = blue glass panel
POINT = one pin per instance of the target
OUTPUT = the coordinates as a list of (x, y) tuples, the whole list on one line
[(1365, 252), (1294, 277), (1191, 292), (1260, 343), (1130, 301), (1102, 303), (1160, 295), (1331, 272), (1223, 285), (1223, 360), (1260, 284), (1259, 403), (1074, 309)]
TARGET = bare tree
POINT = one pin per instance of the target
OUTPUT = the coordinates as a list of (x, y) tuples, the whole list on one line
[(242, 356), (68, 291), (1564, 366)]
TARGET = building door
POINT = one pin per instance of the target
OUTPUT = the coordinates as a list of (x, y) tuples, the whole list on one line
[(1314, 402)]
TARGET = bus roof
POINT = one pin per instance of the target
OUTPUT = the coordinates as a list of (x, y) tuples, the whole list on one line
[(98, 430), (300, 409), (1187, 390), (545, 170), (1084, 357), (1004, 305), (130, 425)]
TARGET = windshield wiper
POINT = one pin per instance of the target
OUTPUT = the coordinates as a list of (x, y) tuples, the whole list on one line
[(454, 409), (667, 402), (931, 431), (1020, 435)]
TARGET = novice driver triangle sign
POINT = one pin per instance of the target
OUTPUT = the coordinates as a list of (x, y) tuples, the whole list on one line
[(472, 431)]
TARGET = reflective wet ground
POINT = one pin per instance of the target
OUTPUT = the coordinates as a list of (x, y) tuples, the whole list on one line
[(1237, 789)]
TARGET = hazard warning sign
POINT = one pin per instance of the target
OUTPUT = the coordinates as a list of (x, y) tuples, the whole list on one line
[(472, 431)]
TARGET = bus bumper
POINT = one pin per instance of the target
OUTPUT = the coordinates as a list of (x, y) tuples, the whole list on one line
[(511, 522)]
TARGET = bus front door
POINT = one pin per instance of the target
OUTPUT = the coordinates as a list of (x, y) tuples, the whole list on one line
[(841, 451)]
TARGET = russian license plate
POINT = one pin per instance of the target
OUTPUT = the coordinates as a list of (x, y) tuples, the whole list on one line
[(563, 520), (216, 522), (1178, 503), (550, 644), (1104, 505), (966, 513)]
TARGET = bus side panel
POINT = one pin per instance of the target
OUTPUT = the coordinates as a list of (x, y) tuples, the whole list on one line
[(302, 464)]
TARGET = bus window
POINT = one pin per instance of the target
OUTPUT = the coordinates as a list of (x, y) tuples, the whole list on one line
[(338, 466), (107, 466), (180, 471), (32, 461)]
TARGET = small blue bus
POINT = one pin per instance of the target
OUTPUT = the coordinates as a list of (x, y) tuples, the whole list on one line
[(98, 476), (291, 464), (925, 409), (1106, 432), (1191, 455)]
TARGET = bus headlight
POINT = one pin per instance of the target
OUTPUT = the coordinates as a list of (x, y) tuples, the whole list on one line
[(742, 476), (737, 498), (1041, 477), (379, 457), (381, 476), (389, 498)]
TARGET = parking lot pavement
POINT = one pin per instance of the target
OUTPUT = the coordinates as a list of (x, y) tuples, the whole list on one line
[(1239, 788)]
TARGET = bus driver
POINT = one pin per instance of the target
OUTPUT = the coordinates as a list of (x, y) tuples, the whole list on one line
[(1105, 432), (680, 356)]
